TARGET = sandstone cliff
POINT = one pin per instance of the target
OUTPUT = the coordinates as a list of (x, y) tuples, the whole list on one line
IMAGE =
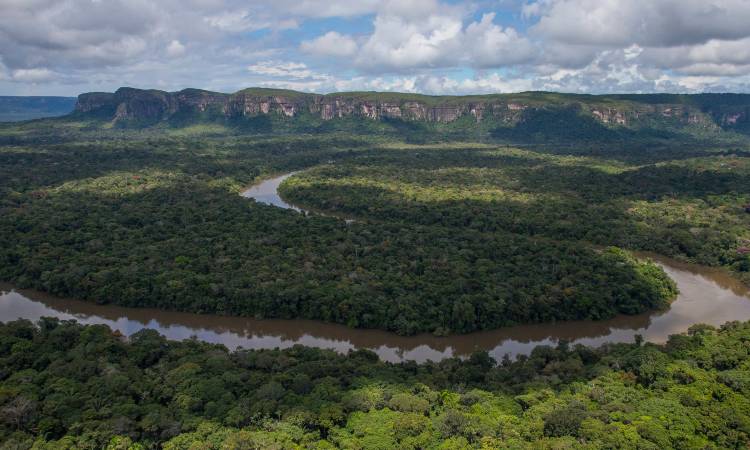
[(128, 105)]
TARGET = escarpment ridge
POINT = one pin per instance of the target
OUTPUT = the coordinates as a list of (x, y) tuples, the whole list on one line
[(698, 111)]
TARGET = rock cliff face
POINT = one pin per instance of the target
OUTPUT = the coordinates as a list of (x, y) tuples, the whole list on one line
[(94, 101), (152, 106), (129, 104)]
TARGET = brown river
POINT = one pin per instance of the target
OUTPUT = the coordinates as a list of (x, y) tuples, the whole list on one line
[(707, 295)]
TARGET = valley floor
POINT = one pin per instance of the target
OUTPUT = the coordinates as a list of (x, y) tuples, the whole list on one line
[(449, 238)]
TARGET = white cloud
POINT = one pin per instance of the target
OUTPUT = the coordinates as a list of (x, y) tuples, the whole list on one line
[(393, 84), (283, 69), (714, 70), (673, 41), (490, 84), (714, 56), (330, 44), (175, 48), (533, 9), (303, 86), (233, 21), (400, 43), (489, 45), (643, 22), (33, 75), (434, 36), (433, 46), (329, 8), (238, 21)]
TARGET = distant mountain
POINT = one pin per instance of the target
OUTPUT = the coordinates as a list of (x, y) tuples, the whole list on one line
[(527, 115), (13, 108)]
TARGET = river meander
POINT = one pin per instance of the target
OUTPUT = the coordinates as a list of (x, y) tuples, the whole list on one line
[(707, 295)]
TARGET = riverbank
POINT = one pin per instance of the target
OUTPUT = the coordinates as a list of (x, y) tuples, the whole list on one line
[(707, 295)]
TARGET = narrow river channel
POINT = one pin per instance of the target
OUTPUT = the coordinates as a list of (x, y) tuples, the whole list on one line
[(267, 191)]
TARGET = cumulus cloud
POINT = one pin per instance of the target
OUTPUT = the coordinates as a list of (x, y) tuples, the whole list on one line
[(492, 83), (431, 46), (714, 57), (426, 34), (50, 33), (238, 21), (489, 45), (684, 43), (329, 8), (428, 84), (233, 21), (330, 44), (643, 22), (283, 69), (94, 33), (402, 41), (33, 75), (175, 48)]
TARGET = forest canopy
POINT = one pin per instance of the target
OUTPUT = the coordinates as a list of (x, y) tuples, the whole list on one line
[(141, 220), (64, 385), (538, 220)]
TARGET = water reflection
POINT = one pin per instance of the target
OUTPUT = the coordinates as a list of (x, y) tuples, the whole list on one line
[(706, 296), (267, 192)]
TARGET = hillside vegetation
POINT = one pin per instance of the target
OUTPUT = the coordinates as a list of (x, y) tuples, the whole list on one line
[(529, 117)]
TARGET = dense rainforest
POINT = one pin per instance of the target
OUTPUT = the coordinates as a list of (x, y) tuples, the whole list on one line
[(469, 213), (143, 220), (450, 237), (682, 202), (64, 385)]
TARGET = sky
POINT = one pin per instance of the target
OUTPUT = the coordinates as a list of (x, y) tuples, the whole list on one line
[(65, 47)]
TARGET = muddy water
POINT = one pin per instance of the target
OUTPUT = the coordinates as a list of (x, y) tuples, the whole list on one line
[(267, 192), (706, 296)]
